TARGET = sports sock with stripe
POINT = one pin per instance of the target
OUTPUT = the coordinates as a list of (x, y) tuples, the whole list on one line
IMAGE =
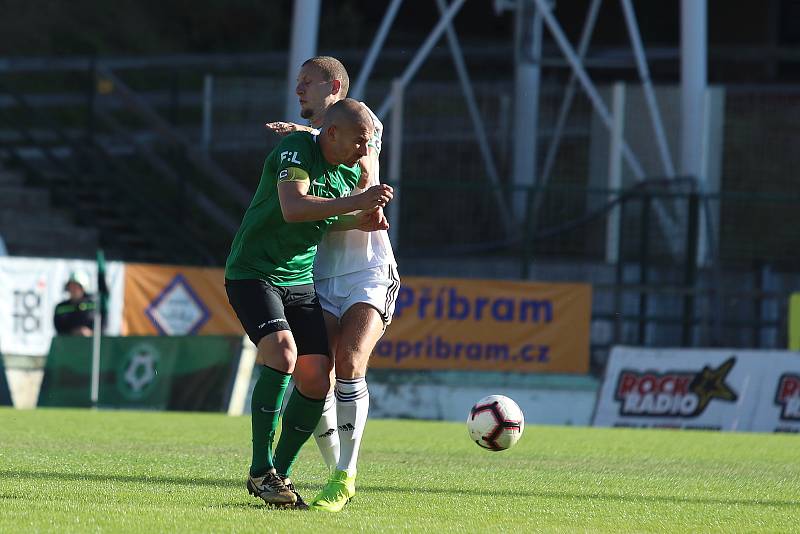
[(326, 435), (300, 418), (265, 407), (352, 408)]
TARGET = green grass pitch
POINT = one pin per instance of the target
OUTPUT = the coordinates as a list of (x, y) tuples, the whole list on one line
[(114, 471)]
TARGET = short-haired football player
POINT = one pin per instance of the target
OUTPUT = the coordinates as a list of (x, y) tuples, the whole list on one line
[(306, 187), (355, 274)]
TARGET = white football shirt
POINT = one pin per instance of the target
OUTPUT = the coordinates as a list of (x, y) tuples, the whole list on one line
[(342, 253)]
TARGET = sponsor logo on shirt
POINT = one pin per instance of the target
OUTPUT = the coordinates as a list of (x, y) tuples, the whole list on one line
[(290, 156)]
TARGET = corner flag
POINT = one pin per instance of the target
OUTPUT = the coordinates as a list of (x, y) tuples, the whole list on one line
[(101, 306), (102, 287)]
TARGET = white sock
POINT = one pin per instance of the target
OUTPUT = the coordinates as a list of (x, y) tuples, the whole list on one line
[(352, 407), (325, 434)]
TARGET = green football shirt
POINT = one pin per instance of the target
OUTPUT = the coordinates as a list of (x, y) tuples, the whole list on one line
[(266, 247)]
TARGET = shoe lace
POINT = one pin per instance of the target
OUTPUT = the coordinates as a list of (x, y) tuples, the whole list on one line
[(274, 482), (336, 487), (287, 482), (290, 486)]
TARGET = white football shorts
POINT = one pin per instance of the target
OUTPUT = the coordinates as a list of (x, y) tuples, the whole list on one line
[(376, 286)]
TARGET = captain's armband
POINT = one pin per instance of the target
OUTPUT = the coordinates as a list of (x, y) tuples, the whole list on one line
[(293, 174)]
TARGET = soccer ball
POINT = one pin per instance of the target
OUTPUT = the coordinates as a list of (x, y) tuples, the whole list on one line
[(495, 423)]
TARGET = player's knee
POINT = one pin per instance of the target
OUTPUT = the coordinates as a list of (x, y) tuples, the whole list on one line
[(286, 358), (352, 350), (316, 391), (279, 354), (314, 386), (352, 366), (313, 377)]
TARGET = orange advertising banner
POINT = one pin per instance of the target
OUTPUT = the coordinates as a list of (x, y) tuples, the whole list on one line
[(176, 300), (492, 325)]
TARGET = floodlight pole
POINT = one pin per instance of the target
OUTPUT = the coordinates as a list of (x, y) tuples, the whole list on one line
[(527, 77), (693, 85), (615, 171), (305, 26)]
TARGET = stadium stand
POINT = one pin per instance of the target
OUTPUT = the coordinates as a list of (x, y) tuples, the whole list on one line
[(31, 226), (68, 184)]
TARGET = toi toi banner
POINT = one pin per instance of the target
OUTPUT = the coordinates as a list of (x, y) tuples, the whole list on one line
[(493, 325), (176, 300), (30, 289)]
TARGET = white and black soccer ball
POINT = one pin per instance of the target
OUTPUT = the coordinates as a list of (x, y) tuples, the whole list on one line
[(495, 423)]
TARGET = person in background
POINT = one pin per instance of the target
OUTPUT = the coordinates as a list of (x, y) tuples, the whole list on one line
[(75, 316)]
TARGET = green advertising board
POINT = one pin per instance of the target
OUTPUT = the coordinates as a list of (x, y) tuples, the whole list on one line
[(193, 373)]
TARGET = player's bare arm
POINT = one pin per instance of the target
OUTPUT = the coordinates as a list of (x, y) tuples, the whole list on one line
[(285, 128), (298, 206), (367, 164)]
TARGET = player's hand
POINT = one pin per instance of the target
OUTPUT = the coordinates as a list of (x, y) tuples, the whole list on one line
[(84, 331), (284, 128), (376, 196), (371, 220)]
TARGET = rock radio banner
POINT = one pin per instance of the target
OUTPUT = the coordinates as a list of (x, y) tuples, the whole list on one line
[(155, 373), (444, 323), (175, 301), (701, 389)]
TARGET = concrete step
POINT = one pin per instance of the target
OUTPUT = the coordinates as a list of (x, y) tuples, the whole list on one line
[(53, 248), (21, 227), (12, 178), (64, 236), (22, 197)]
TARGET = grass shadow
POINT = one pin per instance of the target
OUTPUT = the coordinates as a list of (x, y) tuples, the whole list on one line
[(136, 479), (472, 492), (666, 499)]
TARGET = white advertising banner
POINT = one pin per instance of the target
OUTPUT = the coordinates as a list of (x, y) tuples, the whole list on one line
[(778, 408), (30, 289), (714, 389)]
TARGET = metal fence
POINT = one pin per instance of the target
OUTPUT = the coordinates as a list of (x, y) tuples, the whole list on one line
[(689, 268)]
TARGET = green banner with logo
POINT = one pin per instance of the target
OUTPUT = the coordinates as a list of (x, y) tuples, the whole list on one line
[(193, 373)]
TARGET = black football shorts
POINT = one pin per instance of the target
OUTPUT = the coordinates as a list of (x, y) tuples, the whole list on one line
[(263, 309)]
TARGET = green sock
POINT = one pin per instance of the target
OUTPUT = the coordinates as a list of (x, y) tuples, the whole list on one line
[(299, 420), (266, 408)]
